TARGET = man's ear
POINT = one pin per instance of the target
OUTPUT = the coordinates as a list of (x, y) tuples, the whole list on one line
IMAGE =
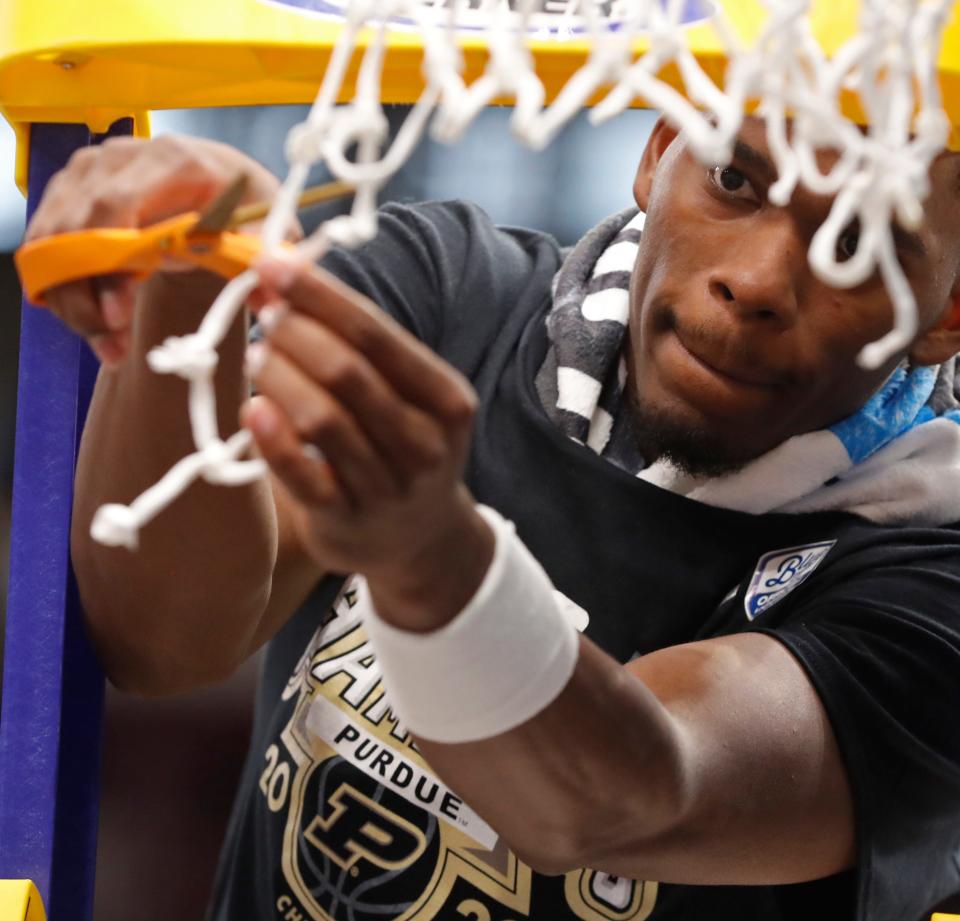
[(660, 139), (942, 341)]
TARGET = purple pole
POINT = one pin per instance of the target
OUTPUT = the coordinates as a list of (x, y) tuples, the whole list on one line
[(52, 704)]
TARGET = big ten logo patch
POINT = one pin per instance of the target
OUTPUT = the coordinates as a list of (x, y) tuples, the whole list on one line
[(781, 571)]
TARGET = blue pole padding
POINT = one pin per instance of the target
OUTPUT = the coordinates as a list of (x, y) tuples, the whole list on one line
[(52, 703)]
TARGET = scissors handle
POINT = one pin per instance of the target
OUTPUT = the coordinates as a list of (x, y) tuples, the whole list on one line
[(62, 258)]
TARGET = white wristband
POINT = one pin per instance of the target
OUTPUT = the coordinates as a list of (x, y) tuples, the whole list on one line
[(500, 661)]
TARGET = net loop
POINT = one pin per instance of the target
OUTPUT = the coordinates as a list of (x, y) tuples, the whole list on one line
[(443, 65), (509, 72)]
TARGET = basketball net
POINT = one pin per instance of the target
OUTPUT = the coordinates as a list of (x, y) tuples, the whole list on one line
[(881, 173)]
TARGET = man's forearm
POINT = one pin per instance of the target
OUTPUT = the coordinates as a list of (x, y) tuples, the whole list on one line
[(596, 779), (555, 786), (183, 608)]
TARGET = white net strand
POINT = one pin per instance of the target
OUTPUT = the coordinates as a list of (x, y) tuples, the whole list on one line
[(709, 131), (509, 73), (193, 357), (611, 53), (879, 173), (893, 56), (788, 56), (117, 525)]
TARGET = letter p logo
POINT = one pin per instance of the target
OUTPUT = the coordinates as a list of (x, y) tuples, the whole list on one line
[(359, 828)]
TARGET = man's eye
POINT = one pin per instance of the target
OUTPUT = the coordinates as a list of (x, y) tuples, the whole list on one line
[(847, 243), (730, 180)]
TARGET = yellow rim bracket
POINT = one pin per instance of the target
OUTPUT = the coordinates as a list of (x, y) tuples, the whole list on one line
[(20, 901), (21, 130)]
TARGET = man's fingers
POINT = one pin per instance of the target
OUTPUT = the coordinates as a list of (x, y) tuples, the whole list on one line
[(408, 439), (309, 479), (76, 304), (412, 369), (116, 295), (100, 310), (321, 420)]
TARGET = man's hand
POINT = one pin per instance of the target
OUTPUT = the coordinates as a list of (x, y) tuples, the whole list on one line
[(126, 182), (369, 431)]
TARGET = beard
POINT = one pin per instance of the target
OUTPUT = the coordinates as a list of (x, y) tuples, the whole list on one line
[(691, 449), (659, 434)]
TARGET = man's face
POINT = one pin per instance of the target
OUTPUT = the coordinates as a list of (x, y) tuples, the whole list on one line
[(734, 345)]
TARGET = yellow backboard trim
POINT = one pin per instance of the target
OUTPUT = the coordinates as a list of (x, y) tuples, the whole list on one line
[(20, 901), (101, 60)]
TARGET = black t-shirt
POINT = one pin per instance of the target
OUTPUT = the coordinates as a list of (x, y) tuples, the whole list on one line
[(338, 815)]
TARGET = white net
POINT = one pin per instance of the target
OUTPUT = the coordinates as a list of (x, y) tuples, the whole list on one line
[(880, 175)]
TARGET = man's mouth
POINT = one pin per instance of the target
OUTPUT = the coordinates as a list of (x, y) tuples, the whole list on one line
[(743, 373)]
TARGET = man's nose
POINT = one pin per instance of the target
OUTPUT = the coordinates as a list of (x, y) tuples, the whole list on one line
[(758, 278)]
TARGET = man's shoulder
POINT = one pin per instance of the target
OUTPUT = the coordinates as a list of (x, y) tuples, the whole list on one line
[(453, 224), (443, 269), (455, 247), (867, 542), (473, 280)]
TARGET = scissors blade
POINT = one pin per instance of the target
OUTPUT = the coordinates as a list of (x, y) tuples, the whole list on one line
[(313, 196), (217, 215)]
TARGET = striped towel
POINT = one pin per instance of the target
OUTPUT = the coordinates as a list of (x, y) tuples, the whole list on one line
[(581, 383)]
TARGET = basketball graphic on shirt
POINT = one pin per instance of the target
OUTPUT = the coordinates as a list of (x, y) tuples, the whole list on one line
[(354, 838)]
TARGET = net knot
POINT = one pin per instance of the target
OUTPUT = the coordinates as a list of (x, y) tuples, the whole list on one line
[(215, 458), (116, 525), (352, 230), (191, 357), (305, 143)]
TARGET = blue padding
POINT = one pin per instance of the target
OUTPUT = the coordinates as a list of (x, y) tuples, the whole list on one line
[(52, 704)]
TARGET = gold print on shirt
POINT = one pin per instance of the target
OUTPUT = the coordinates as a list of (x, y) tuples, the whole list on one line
[(369, 831), (475, 911), (593, 895), (360, 829), (275, 780)]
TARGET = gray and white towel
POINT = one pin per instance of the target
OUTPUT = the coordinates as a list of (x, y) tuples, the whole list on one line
[(581, 383)]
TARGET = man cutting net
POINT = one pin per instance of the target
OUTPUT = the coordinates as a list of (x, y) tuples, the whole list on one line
[(751, 533)]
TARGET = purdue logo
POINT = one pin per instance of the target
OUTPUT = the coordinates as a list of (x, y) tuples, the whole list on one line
[(358, 828)]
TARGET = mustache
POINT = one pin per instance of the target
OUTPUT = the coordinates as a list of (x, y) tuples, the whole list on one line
[(735, 351)]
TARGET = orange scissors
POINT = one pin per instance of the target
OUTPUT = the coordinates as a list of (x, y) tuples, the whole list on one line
[(202, 238)]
